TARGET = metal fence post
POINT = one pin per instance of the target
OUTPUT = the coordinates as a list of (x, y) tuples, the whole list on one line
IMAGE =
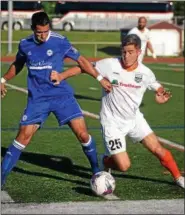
[(10, 8), (95, 50)]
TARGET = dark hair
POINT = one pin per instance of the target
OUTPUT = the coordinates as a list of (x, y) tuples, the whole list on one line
[(39, 18), (131, 39)]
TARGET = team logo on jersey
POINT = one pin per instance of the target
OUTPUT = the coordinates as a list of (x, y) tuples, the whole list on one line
[(138, 77), (29, 53), (24, 118), (114, 82), (49, 52)]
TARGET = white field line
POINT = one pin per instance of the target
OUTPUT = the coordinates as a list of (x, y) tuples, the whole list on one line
[(111, 197), (17, 88), (171, 84), (168, 68), (171, 144), (173, 206), (5, 198), (9, 88), (93, 88), (95, 116), (176, 64)]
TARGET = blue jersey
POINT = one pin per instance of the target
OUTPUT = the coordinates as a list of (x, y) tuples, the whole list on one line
[(41, 59)]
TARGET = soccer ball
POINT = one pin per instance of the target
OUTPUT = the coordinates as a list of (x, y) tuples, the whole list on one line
[(102, 183)]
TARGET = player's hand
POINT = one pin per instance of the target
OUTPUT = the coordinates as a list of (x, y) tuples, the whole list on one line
[(106, 85), (163, 97), (55, 77), (3, 90)]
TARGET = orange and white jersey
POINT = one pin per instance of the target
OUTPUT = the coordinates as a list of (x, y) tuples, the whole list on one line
[(124, 100), (144, 36)]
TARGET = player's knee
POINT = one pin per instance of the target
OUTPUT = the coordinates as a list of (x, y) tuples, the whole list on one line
[(124, 166), (83, 137), (24, 136), (24, 139)]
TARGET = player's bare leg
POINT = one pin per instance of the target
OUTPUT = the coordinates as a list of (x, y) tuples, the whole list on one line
[(15, 149), (25, 133), (119, 161), (152, 143), (79, 128)]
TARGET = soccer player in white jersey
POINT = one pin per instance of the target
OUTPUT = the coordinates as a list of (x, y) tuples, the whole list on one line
[(144, 33), (120, 115)]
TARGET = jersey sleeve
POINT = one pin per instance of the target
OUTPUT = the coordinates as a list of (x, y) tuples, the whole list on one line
[(102, 67), (153, 84), (70, 51), (132, 31), (20, 54)]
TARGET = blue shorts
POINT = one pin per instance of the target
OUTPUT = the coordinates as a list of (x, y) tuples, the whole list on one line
[(64, 108)]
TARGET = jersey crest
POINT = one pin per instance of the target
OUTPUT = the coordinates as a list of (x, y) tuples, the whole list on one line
[(115, 82), (138, 77), (49, 52)]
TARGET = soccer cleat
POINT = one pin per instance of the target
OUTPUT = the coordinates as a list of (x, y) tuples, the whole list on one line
[(180, 181), (101, 164)]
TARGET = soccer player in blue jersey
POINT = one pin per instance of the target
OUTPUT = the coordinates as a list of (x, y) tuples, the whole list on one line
[(44, 52)]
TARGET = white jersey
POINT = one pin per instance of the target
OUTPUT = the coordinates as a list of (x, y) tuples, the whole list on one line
[(144, 36), (124, 100)]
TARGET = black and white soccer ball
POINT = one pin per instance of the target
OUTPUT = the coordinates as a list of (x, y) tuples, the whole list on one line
[(102, 183)]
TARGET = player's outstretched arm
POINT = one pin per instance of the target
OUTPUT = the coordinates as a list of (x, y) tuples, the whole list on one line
[(87, 67), (57, 77), (14, 69), (162, 95)]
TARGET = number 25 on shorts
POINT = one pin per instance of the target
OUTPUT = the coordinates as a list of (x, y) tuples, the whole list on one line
[(115, 144)]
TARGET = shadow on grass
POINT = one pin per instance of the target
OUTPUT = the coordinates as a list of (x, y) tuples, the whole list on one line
[(39, 174), (141, 178), (64, 165), (84, 190), (58, 163)]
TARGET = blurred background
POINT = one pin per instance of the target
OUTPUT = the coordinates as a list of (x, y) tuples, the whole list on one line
[(99, 26)]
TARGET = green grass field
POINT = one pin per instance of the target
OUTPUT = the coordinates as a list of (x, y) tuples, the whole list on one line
[(53, 167)]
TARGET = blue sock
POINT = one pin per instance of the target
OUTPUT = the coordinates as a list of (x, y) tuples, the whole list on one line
[(89, 149), (10, 159)]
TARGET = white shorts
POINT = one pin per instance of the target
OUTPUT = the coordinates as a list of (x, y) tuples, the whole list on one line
[(114, 133)]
